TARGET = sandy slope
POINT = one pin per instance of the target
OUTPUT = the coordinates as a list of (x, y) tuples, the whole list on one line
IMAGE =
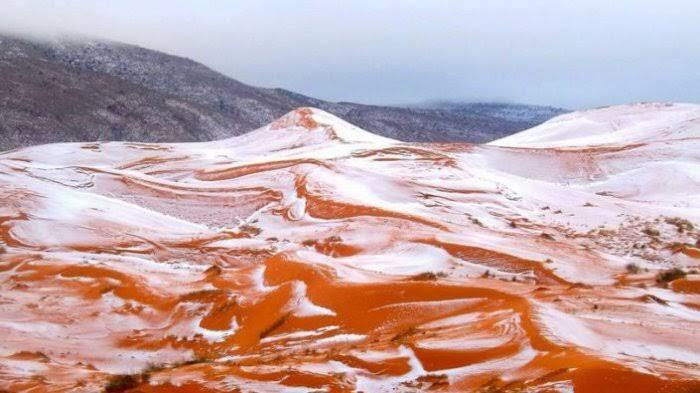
[(313, 255)]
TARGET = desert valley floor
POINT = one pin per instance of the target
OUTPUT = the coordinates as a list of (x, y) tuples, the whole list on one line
[(310, 255)]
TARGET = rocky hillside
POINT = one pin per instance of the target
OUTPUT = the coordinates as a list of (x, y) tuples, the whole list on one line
[(86, 90)]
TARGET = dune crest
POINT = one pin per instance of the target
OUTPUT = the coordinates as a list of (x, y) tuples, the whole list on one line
[(313, 255)]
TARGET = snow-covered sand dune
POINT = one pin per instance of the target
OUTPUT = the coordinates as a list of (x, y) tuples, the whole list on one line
[(313, 255)]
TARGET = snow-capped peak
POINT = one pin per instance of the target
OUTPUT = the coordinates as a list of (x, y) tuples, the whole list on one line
[(303, 127), (314, 119)]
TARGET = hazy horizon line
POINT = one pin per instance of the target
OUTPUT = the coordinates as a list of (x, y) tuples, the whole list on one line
[(76, 37)]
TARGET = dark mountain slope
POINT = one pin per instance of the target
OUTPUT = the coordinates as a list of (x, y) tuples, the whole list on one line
[(85, 90)]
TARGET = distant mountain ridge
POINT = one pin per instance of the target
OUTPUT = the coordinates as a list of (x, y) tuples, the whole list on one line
[(73, 90), (500, 110)]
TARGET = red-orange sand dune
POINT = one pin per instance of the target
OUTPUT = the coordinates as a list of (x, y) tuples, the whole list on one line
[(310, 255)]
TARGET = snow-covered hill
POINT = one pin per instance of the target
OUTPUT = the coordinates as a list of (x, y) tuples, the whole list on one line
[(313, 255), (616, 125)]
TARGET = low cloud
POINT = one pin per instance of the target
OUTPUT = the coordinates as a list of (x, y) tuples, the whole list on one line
[(572, 54)]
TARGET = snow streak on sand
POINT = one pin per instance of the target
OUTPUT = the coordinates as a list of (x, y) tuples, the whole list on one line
[(311, 255)]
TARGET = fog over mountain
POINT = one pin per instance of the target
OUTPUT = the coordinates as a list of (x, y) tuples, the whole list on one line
[(82, 89), (574, 54)]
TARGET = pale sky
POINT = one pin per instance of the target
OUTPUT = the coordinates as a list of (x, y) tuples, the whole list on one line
[(570, 53)]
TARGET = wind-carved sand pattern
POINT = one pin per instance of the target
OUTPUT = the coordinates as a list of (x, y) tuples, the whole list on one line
[(310, 255)]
